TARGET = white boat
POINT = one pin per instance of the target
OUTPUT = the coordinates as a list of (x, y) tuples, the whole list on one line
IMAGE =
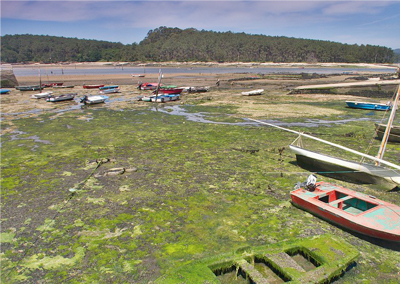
[(359, 172), (109, 91), (41, 95), (253, 93), (161, 98), (91, 100)]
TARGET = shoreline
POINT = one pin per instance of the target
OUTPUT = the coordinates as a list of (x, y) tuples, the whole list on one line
[(200, 64)]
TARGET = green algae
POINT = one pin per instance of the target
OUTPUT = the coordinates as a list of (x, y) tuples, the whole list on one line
[(199, 191)]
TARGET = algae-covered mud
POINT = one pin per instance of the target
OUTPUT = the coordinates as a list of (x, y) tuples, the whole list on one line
[(128, 191)]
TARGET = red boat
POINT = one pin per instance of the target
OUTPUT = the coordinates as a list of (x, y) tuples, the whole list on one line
[(147, 86), (51, 85), (352, 210), (170, 90), (92, 86)]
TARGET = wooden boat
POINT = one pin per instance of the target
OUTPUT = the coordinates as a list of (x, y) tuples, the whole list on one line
[(48, 85), (109, 87), (368, 106), (91, 100), (348, 170), (64, 87), (41, 95), (147, 86), (28, 88), (352, 210), (60, 98), (169, 90), (109, 91), (253, 93), (197, 89), (4, 91), (92, 86), (160, 98), (394, 135)]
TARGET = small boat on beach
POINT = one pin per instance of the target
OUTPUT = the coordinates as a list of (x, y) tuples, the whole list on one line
[(4, 91), (48, 85), (169, 90), (147, 86), (394, 135), (197, 89), (109, 87), (357, 212), (253, 93), (161, 98), (92, 86), (109, 91), (41, 95), (28, 88), (368, 106), (91, 100), (60, 98)]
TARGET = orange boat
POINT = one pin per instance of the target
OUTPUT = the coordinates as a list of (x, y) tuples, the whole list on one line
[(364, 214)]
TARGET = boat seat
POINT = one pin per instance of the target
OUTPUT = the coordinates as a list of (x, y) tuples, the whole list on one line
[(337, 201)]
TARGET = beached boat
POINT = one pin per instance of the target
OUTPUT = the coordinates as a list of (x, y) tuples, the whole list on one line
[(360, 213), (394, 135), (48, 85), (382, 172), (109, 87), (41, 95), (169, 90), (161, 98), (147, 98), (4, 91), (109, 91), (64, 87), (196, 89), (368, 106), (147, 86), (92, 86), (253, 93), (91, 100), (137, 75), (28, 88), (174, 97), (60, 98)]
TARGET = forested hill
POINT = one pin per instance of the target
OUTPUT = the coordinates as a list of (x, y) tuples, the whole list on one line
[(174, 44)]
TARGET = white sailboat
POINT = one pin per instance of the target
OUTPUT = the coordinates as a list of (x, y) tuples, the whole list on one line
[(348, 170)]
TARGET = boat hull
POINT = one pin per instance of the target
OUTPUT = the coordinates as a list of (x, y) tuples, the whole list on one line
[(376, 222), (368, 106), (394, 135), (345, 170), (92, 86)]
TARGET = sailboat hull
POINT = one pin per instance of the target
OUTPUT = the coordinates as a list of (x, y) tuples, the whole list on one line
[(345, 170)]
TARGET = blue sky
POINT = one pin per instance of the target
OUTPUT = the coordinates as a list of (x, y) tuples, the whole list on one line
[(353, 22)]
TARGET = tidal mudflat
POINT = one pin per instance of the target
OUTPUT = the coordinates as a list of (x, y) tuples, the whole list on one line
[(127, 191)]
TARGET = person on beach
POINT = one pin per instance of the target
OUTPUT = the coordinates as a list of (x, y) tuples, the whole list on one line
[(217, 83)]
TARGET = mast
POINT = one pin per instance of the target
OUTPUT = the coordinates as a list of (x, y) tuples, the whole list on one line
[(333, 144), (388, 127), (158, 85)]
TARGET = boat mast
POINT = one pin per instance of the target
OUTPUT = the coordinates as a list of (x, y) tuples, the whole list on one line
[(333, 144), (388, 127), (158, 85)]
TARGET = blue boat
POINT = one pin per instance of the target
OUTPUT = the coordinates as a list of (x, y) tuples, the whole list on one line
[(4, 91), (109, 87), (369, 106)]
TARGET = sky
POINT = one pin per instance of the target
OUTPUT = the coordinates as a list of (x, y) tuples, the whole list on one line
[(352, 22)]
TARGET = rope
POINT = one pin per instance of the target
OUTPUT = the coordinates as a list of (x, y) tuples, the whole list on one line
[(72, 193)]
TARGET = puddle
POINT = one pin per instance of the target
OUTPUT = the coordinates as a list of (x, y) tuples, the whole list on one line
[(201, 117)]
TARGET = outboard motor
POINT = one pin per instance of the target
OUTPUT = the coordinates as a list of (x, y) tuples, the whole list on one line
[(309, 185)]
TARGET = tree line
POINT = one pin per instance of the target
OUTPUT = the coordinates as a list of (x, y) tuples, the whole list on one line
[(174, 44)]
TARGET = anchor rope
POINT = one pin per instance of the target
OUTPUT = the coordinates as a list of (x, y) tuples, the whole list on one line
[(72, 193)]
